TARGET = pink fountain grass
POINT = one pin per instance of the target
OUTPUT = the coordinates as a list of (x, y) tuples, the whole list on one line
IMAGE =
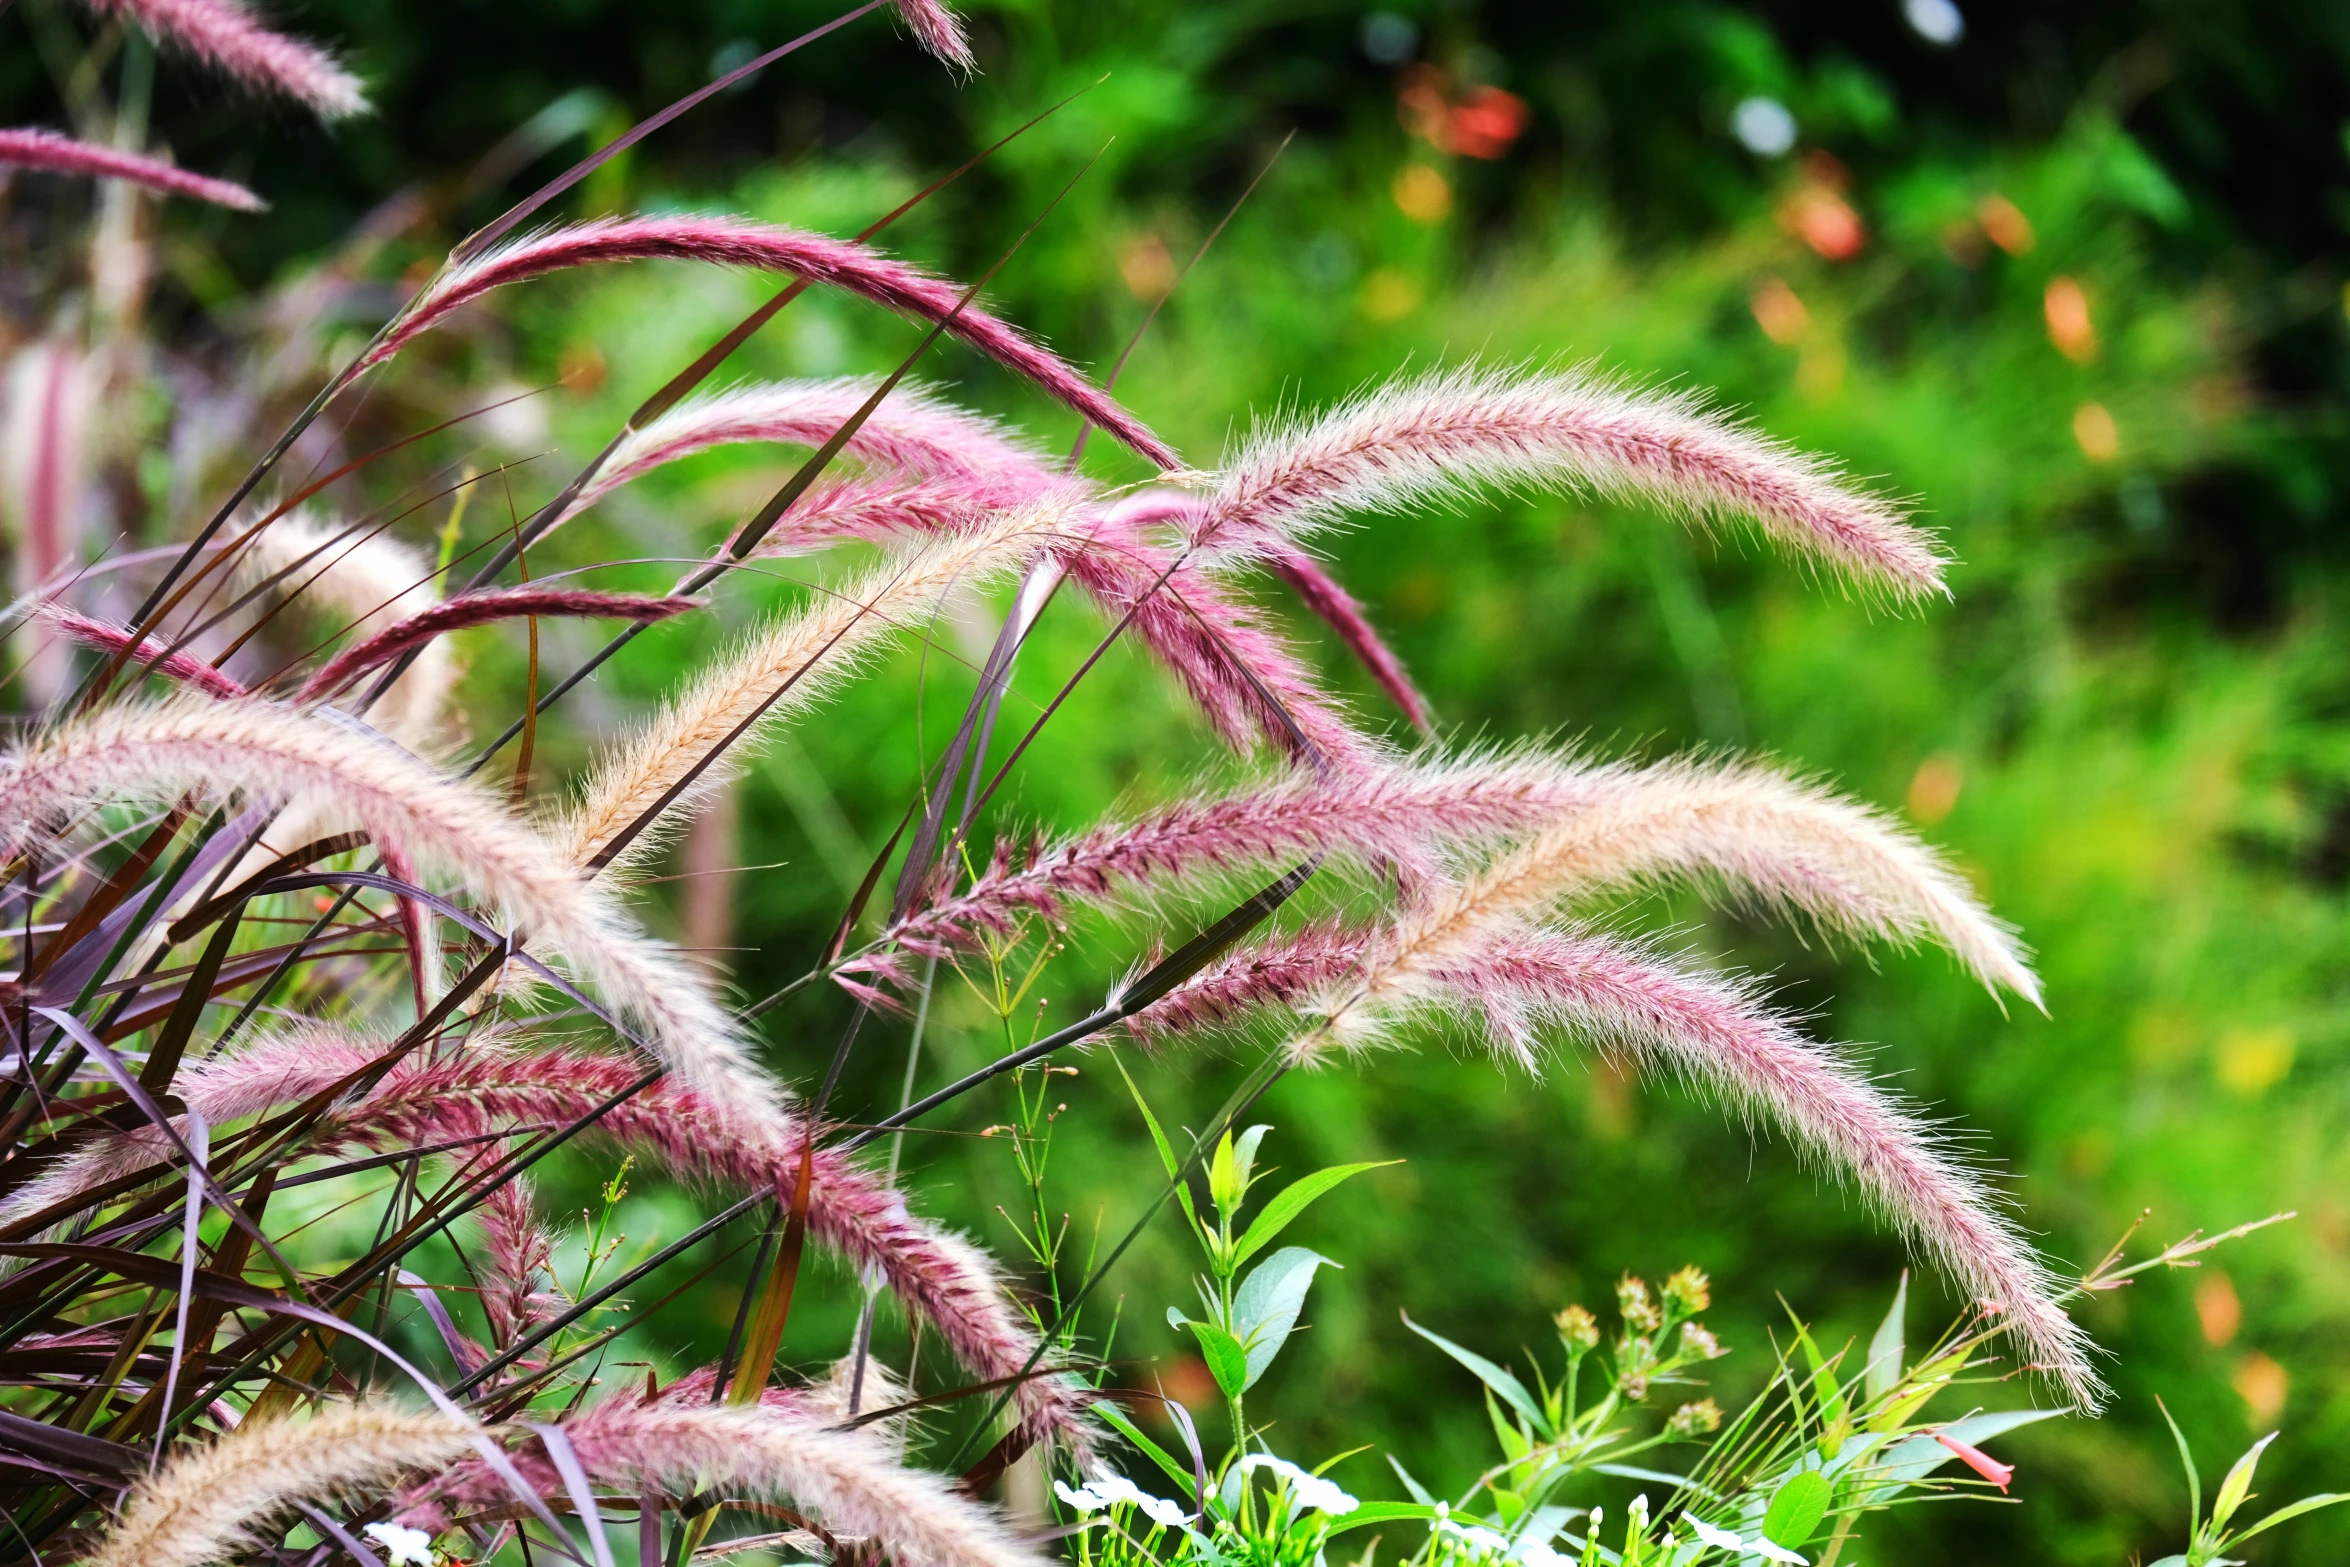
[(1338, 609), (1248, 682), (1444, 436), (1524, 981), (226, 36), (517, 1262), (741, 242), (477, 609), (181, 667), (696, 1136), (47, 150), (913, 431), (940, 31), (1754, 833)]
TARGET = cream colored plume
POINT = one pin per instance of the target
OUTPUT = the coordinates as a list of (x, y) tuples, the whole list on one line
[(269, 750), (812, 652), (208, 1503), (360, 580), (847, 1477)]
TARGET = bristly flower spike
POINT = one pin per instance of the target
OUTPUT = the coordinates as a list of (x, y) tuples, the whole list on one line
[(411, 809), (223, 34), (740, 242), (47, 150), (1438, 438)]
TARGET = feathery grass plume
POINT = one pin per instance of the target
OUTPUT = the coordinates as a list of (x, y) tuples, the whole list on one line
[(1244, 678), (812, 652), (940, 31), (741, 242), (696, 1136), (847, 1478), (412, 809), (181, 666), (364, 581), (225, 35), (517, 1261), (479, 609), (56, 154), (1342, 613), (44, 451), (1779, 841), (1758, 833), (1714, 1031), (1441, 436), (209, 1502), (914, 431)]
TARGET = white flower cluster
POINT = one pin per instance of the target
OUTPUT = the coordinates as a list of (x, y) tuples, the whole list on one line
[(1112, 1490), (1307, 1492), (403, 1547)]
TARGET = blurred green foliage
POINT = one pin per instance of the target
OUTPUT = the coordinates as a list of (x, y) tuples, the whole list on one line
[(2129, 724)]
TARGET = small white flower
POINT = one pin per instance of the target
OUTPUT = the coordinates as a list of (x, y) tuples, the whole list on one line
[(1084, 1498), (1309, 1492), (1112, 1490), (1775, 1553), (1718, 1539), (405, 1547)]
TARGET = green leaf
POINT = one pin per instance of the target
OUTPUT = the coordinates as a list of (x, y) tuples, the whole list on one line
[(1513, 1440), (1512, 1390), (1383, 1512), (2186, 1462), (1225, 1182), (1885, 1349), (2307, 1504), (1265, 1307), (1797, 1509), (1293, 1200), (1227, 1361), (1244, 1154), (1166, 1151), (2238, 1485), (1419, 1491), (1149, 1449)]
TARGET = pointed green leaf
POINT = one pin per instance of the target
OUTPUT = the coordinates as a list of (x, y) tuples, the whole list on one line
[(1227, 1361), (1797, 1508), (2187, 1462), (1293, 1200), (1419, 1492), (1244, 1153), (1885, 1349), (2307, 1504), (1166, 1150), (2238, 1485), (1383, 1512), (1265, 1307), (1512, 1390), (1513, 1439), (1224, 1182)]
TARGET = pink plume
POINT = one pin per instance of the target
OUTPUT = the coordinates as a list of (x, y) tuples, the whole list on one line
[(476, 609), (225, 35), (1444, 436), (1712, 1031), (1247, 681), (182, 666), (927, 440), (1322, 594), (740, 242), (695, 1135), (938, 30), (37, 149)]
